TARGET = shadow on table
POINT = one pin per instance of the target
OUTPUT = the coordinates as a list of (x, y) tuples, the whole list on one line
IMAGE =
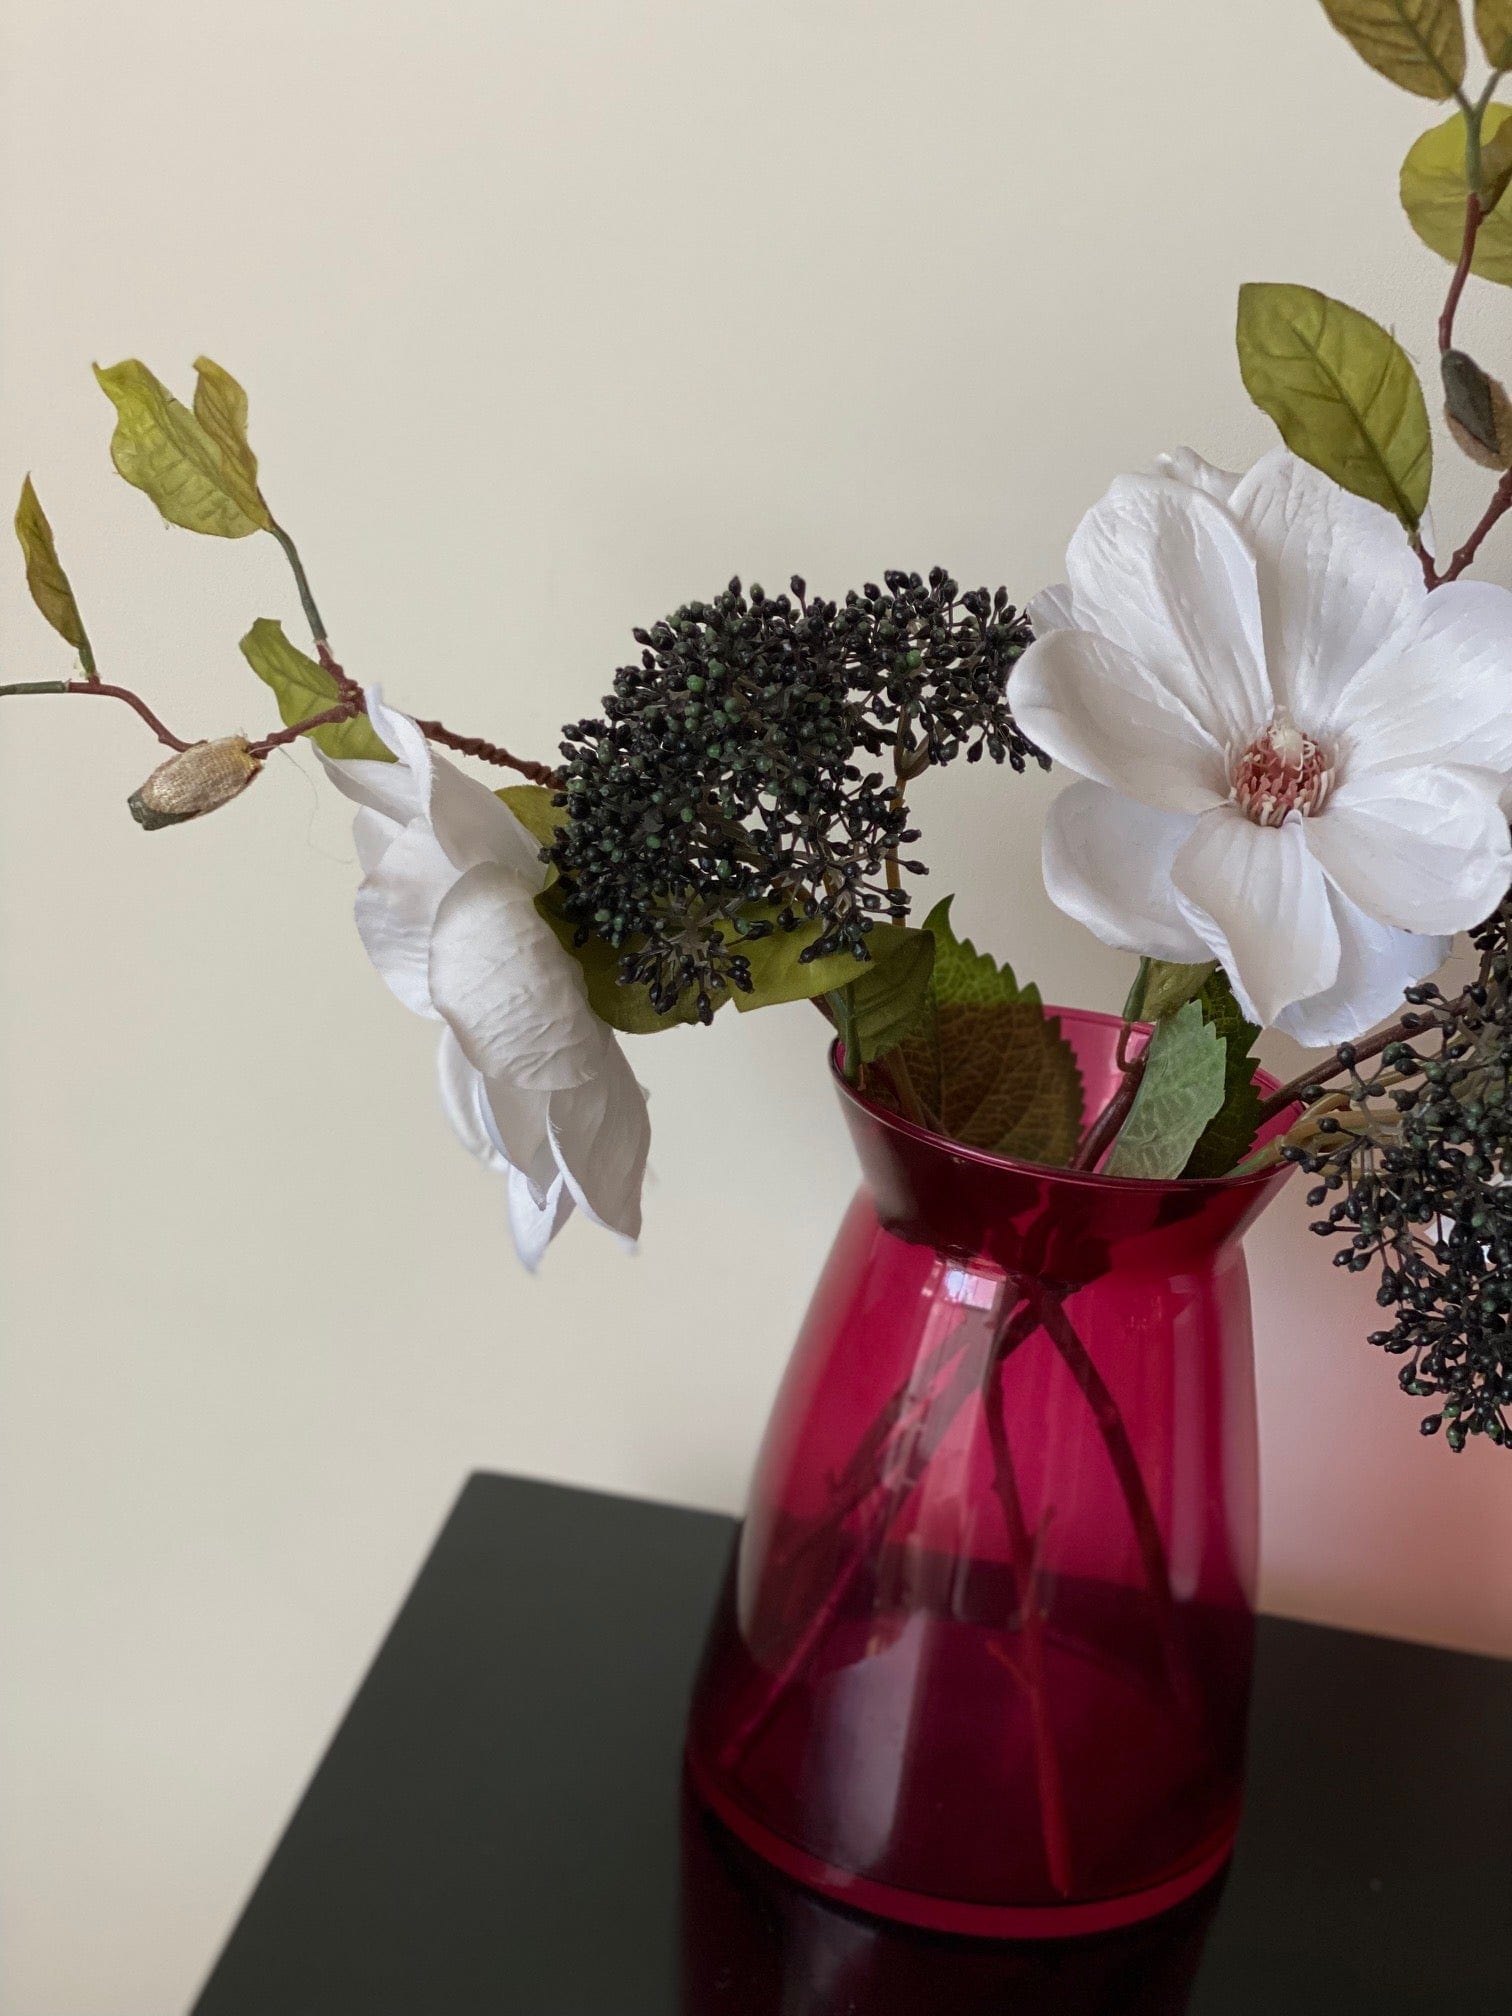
[(756, 1944)]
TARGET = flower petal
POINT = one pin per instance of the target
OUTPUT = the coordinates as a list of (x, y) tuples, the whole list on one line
[(1258, 898), (1184, 465), (1091, 706), (1159, 569), (514, 998), (1051, 610), (472, 823), (601, 1133), (1446, 697), (388, 789), (1338, 582), (1107, 862), (535, 1222), (1426, 850), (396, 910), (1376, 966)]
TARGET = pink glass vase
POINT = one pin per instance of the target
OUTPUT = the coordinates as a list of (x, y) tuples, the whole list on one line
[(982, 1662)]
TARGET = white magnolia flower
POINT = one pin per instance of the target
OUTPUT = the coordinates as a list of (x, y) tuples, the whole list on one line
[(1292, 754), (533, 1081)]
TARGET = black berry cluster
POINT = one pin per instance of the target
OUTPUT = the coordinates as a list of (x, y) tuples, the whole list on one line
[(1417, 1173), (725, 793)]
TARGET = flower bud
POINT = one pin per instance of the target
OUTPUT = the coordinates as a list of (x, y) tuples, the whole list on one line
[(199, 779)]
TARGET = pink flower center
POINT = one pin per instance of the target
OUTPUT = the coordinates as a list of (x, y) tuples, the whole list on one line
[(1281, 771)]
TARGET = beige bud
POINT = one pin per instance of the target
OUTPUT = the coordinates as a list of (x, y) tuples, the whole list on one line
[(199, 779)]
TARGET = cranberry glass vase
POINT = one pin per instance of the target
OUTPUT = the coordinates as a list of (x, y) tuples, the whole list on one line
[(982, 1662)]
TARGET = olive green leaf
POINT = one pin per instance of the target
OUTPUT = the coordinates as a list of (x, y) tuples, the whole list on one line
[(220, 406), (889, 997), (1493, 24), (1434, 192), (1477, 410), (302, 688), (625, 1008), (1341, 390), (1229, 1133), (1419, 44), (49, 585), (987, 1061), (531, 804), (162, 448), (1181, 1090)]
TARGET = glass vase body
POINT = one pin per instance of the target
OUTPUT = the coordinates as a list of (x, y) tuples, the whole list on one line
[(982, 1661)]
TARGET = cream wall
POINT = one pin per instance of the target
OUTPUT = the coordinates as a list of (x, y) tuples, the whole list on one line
[(552, 316)]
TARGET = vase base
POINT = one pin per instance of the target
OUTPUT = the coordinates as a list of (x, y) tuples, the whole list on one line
[(951, 1915)]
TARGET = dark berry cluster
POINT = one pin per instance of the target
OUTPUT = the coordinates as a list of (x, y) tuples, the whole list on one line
[(722, 796), (1418, 1165)]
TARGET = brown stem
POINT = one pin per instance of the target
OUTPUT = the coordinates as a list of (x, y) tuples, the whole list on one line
[(1115, 1434), (343, 711), (880, 1501), (1030, 1670), (1501, 498), (1100, 1136), (489, 752), (1473, 216), (1331, 1067), (98, 686)]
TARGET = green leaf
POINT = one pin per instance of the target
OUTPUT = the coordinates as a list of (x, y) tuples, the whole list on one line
[(1419, 44), (531, 804), (1434, 192), (302, 688), (1168, 987), (1232, 1128), (220, 406), (627, 1009), (1181, 1090), (889, 985), (889, 997), (1341, 390), (986, 1060), (161, 447), (1493, 24), (49, 585)]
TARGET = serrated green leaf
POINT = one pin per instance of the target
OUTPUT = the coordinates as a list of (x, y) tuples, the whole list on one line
[(220, 406), (985, 1059), (1181, 1090), (1434, 191), (1169, 986), (49, 584), (1419, 44), (1232, 1128), (1493, 24), (302, 688), (1342, 391), (161, 448)]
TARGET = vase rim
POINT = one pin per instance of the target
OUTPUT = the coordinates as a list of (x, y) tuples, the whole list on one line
[(910, 1130)]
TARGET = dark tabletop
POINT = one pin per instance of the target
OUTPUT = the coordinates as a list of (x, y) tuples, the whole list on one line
[(498, 1825)]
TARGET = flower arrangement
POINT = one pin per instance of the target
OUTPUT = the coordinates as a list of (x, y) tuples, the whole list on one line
[(1285, 725)]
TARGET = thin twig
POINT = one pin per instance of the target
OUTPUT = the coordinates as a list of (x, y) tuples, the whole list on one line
[(97, 686)]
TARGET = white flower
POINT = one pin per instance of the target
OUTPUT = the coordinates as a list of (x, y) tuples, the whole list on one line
[(533, 1081), (1292, 753)]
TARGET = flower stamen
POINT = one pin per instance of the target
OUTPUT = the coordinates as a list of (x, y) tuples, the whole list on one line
[(1281, 772)]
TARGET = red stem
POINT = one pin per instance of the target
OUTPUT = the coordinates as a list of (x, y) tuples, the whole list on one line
[(1100, 1136), (1501, 499), (1473, 216), (133, 700)]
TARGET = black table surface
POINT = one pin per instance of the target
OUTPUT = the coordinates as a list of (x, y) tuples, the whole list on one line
[(498, 1825)]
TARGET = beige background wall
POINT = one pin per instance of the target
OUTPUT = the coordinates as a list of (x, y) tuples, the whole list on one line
[(552, 316)]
